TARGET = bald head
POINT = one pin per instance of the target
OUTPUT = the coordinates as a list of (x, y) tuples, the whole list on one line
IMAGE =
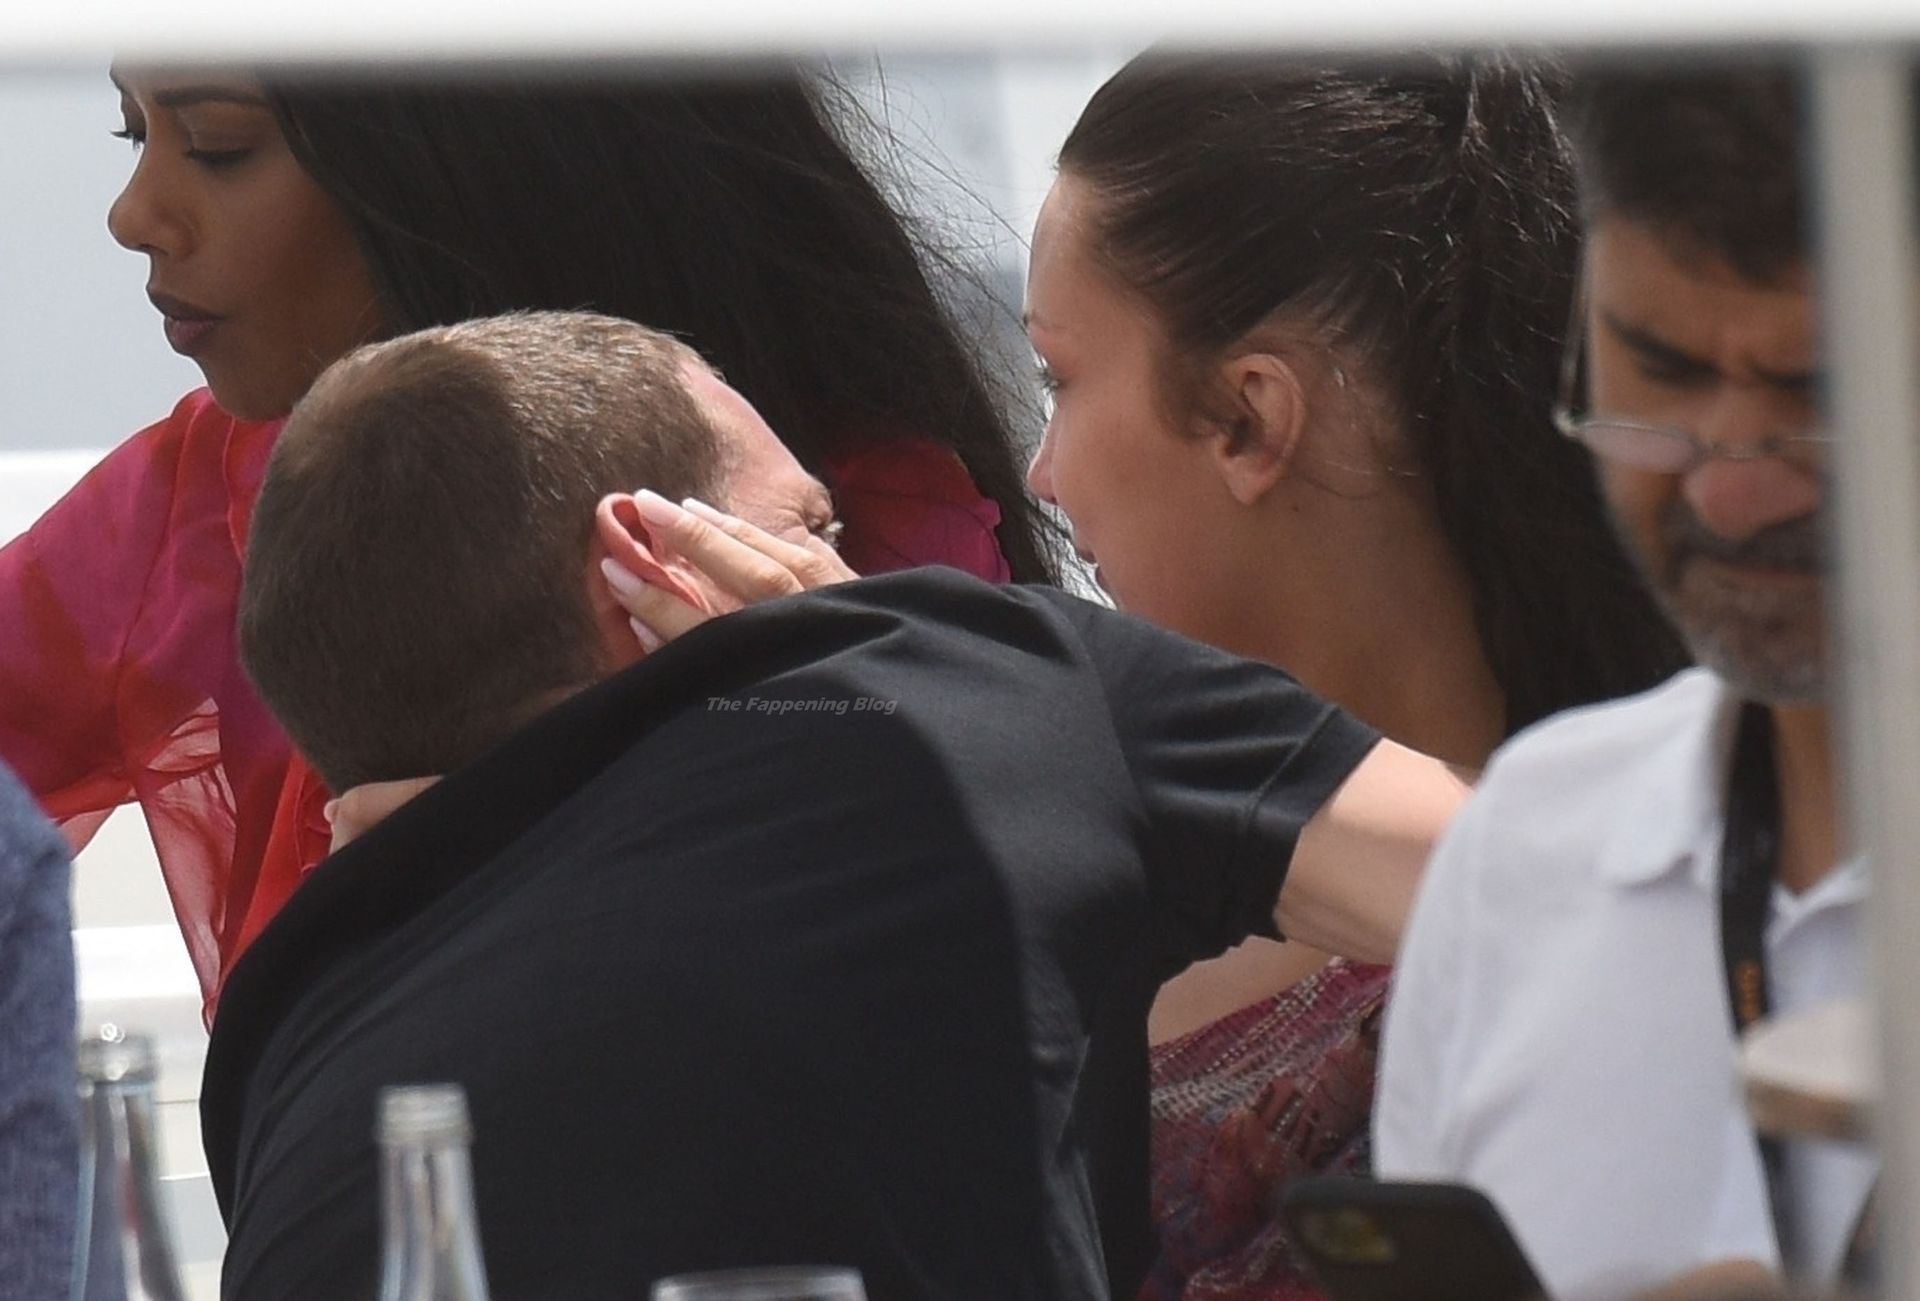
[(414, 584)]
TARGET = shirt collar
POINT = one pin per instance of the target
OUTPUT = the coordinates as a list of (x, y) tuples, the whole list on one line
[(1670, 811), (1846, 885)]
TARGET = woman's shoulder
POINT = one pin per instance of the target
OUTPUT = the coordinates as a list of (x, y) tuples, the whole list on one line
[(197, 434), (215, 459), (196, 464)]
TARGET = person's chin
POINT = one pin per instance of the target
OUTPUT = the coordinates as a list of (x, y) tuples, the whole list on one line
[(1771, 650), (244, 398)]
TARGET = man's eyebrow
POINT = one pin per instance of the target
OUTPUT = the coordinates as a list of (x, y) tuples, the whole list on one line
[(1661, 353), (1655, 349)]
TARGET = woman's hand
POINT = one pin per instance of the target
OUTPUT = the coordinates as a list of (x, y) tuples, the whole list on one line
[(745, 563)]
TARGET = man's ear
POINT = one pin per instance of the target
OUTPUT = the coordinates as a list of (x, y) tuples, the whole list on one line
[(1265, 419), (622, 535)]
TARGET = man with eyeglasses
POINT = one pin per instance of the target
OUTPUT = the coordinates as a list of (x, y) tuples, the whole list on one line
[(1635, 883)]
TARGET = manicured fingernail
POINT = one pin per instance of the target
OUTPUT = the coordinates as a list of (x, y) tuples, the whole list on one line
[(695, 506), (621, 579), (654, 508), (649, 639)]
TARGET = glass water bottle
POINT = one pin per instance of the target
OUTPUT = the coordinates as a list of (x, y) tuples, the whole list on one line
[(432, 1238), (122, 1248)]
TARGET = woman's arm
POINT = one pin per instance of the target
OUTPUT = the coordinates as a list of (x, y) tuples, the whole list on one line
[(79, 690), (1354, 872), (70, 592)]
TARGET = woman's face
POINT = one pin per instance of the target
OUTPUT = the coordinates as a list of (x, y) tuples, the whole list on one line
[(1142, 496), (248, 260)]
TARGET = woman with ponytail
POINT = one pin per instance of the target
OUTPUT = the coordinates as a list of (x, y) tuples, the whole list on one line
[(1301, 327)]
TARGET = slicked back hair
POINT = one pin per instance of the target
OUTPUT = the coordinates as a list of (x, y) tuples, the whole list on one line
[(1420, 212), (1710, 157), (415, 585)]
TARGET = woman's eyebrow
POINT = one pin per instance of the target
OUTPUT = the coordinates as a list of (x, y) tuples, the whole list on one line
[(177, 97)]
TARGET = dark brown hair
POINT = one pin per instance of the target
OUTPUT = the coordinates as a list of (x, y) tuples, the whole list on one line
[(1420, 213), (1709, 156), (720, 206), (415, 587)]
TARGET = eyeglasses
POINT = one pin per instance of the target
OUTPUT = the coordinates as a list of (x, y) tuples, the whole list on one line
[(1665, 449)]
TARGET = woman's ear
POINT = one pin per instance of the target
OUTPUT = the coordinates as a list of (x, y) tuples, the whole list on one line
[(1265, 419), (621, 535)]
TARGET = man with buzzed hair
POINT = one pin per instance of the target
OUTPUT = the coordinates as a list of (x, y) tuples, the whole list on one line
[(826, 933), (1634, 884)]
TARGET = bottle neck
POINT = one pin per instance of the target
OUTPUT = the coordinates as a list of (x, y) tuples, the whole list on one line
[(432, 1250), (124, 1247)]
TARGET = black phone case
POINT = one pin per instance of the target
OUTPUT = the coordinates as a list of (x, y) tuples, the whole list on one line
[(1373, 1241)]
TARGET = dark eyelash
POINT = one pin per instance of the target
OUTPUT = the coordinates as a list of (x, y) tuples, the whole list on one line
[(131, 136)]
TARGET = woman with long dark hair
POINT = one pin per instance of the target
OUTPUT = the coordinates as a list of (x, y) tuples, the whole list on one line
[(285, 220), (1302, 327)]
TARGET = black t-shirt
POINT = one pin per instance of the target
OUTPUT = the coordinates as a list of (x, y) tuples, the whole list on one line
[(824, 935)]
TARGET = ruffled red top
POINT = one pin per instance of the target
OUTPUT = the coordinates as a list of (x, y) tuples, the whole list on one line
[(120, 677)]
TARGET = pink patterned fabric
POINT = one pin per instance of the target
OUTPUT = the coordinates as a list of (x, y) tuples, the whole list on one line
[(120, 679), (1242, 1107)]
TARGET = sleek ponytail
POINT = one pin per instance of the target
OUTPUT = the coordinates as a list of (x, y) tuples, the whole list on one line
[(1424, 213)]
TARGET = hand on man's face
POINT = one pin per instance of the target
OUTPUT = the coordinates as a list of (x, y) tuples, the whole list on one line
[(736, 563)]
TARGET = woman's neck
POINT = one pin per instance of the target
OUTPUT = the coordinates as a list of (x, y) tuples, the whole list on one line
[(1393, 641)]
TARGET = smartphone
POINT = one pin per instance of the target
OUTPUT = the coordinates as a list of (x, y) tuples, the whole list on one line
[(1370, 1241)]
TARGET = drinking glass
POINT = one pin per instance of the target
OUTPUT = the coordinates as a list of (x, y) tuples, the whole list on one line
[(788, 1283)]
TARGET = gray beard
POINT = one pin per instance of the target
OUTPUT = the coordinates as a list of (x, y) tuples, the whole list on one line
[(1768, 641)]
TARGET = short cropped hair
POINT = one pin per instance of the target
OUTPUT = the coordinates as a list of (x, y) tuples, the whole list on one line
[(1710, 157), (415, 585)]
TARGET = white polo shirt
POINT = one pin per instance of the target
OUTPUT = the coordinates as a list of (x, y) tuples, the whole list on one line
[(1558, 1033)]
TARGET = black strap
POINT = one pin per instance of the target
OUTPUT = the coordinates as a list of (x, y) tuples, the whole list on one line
[(1749, 863), (1860, 1266)]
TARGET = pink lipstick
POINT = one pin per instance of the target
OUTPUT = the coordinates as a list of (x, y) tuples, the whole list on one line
[(187, 327)]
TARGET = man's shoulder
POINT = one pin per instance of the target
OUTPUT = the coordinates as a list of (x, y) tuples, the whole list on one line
[(1579, 790), (944, 608), (1597, 754)]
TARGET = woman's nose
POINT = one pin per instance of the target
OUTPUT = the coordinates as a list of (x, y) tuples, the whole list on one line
[(1040, 469), (141, 218)]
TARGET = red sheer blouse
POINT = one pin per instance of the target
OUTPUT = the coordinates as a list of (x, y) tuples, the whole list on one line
[(120, 679)]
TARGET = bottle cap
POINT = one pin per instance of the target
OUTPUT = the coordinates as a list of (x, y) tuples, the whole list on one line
[(417, 1113), (110, 1055)]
